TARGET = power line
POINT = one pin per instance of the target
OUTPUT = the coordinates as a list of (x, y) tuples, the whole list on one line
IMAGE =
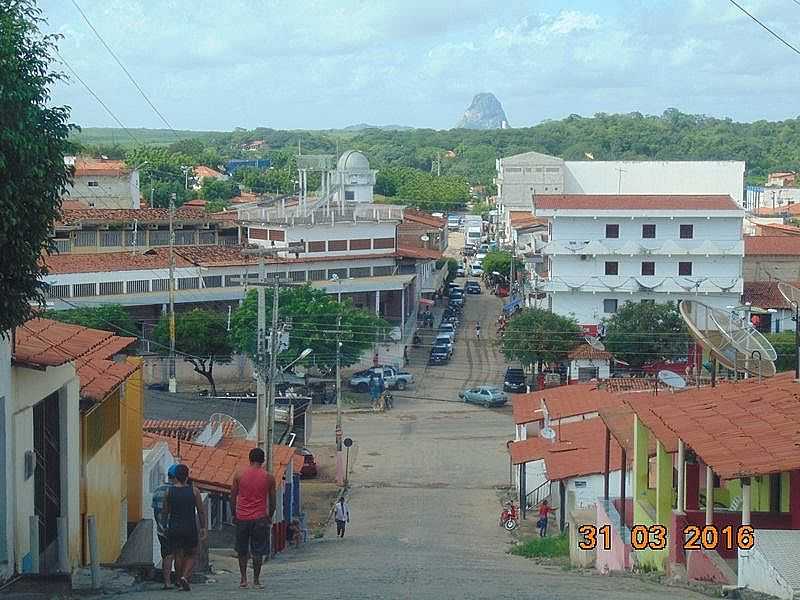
[(764, 26), (122, 66)]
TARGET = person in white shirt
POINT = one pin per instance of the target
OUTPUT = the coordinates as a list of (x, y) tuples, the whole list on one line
[(342, 516)]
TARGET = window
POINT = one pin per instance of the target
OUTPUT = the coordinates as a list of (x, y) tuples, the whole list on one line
[(609, 305), (684, 268), (648, 268), (297, 276), (112, 288), (137, 286), (159, 237), (316, 275), (207, 238), (612, 231), (612, 268), (382, 271), (111, 238), (188, 283), (648, 231), (687, 232), (81, 290), (360, 244), (277, 234), (349, 195), (340, 273), (58, 291), (231, 280), (160, 285), (92, 184), (378, 243), (337, 245), (85, 238), (212, 281), (316, 246), (359, 271), (185, 237), (256, 233)]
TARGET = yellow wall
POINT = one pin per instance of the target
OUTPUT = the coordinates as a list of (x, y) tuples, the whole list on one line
[(103, 486), (131, 428)]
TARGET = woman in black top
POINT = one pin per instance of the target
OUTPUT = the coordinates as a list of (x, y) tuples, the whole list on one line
[(182, 507)]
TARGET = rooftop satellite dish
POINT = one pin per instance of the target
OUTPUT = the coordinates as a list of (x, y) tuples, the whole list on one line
[(230, 426), (548, 433), (791, 293), (595, 343), (727, 340), (671, 379)]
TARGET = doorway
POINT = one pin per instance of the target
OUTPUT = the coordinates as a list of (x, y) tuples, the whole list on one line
[(47, 478)]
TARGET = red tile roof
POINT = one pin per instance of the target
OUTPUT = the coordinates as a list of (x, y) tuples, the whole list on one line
[(521, 219), (635, 202), (77, 216), (771, 245), (186, 429), (201, 171), (586, 352), (579, 449), (765, 294), (213, 468), (564, 401), (418, 216), (96, 166), (777, 229), (47, 343), (155, 258), (195, 202), (746, 428)]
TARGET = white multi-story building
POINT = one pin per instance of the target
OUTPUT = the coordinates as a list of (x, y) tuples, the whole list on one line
[(605, 250), (103, 183), (524, 177)]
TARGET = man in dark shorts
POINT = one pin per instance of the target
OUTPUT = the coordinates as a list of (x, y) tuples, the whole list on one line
[(158, 509), (183, 507), (253, 504)]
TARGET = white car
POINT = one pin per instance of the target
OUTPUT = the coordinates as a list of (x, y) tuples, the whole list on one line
[(476, 271), (480, 256)]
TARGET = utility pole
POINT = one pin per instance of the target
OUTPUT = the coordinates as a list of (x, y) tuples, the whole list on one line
[(273, 364), (261, 400), (511, 271), (173, 386), (339, 457)]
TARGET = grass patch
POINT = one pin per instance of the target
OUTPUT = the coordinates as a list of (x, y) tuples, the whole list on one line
[(546, 547)]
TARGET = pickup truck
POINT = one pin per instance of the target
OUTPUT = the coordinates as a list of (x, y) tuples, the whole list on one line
[(392, 378)]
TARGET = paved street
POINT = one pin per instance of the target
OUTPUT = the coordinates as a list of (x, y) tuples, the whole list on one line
[(425, 503)]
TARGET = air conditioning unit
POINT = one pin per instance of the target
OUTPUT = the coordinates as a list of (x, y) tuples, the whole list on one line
[(584, 257)]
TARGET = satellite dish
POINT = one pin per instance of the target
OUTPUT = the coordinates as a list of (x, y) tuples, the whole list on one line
[(791, 293), (671, 379), (230, 426), (424, 238), (726, 340), (744, 336), (548, 433), (595, 343)]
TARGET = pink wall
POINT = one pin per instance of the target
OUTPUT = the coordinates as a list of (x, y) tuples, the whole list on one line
[(616, 559), (628, 510), (700, 566), (677, 554)]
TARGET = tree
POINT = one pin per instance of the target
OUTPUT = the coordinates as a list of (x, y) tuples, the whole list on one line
[(784, 344), (218, 189), (202, 336), (642, 332), (110, 317), (33, 176), (500, 261), (481, 208), (535, 335), (313, 315), (452, 268)]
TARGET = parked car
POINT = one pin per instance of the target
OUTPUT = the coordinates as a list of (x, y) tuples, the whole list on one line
[(309, 468), (469, 250), (448, 328), (484, 395), (472, 287), (514, 381), (392, 378), (444, 339), (439, 355), (480, 256), (476, 270), (484, 249), (460, 272)]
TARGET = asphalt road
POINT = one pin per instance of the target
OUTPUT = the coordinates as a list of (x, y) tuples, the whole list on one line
[(425, 504)]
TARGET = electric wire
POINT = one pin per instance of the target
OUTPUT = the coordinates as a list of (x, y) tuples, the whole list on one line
[(765, 27)]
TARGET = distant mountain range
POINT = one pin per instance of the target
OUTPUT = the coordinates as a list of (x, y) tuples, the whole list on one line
[(362, 126)]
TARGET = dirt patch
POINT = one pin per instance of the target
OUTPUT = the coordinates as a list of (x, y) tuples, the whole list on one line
[(319, 494)]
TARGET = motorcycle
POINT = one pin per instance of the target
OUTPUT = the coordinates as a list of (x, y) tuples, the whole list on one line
[(508, 518)]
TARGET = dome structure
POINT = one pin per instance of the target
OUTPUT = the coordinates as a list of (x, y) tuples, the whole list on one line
[(353, 161)]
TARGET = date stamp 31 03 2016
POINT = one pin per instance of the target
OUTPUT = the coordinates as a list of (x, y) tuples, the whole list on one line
[(654, 537)]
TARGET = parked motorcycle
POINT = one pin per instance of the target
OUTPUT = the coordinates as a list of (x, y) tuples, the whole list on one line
[(508, 518)]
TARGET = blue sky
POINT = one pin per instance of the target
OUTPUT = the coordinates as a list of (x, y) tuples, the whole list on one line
[(291, 64)]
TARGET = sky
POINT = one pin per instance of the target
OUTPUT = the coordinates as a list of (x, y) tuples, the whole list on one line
[(319, 64)]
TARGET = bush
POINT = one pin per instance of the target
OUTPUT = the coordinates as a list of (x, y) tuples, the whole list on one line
[(546, 547)]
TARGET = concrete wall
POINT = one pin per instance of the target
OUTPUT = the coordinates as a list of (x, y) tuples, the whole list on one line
[(238, 373), (617, 557), (770, 567), (155, 463), (656, 177), (110, 191), (29, 387), (602, 366), (706, 565), (104, 481), (764, 268)]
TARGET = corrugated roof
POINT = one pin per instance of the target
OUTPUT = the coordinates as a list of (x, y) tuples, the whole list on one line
[(746, 428), (579, 449), (564, 401), (48, 343), (586, 352), (776, 245), (635, 202)]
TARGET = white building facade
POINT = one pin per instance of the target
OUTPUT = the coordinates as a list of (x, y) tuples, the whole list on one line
[(608, 250), (103, 183)]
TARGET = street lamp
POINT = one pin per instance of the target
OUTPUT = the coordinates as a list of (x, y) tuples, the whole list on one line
[(336, 278), (302, 355)]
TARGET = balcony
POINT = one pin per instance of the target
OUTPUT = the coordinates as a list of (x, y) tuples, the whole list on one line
[(619, 247), (644, 284)]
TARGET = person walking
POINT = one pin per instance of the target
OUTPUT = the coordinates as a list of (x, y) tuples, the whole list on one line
[(342, 516), (478, 329), (182, 508), (253, 505), (544, 514), (158, 516)]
